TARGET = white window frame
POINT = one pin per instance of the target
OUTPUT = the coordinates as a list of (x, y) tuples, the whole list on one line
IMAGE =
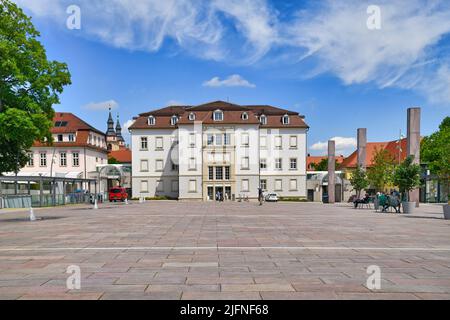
[(192, 164), (245, 116), (245, 185), (263, 119), (144, 186), (218, 115), (293, 142), (281, 185), (160, 186), (263, 184), (291, 162), (159, 143), (144, 166), (191, 116), (285, 119), (192, 139), (279, 164), (71, 137), (151, 121), (263, 164), (144, 140), (157, 162), (245, 163), (192, 183), (263, 145), (30, 162), (291, 188), (173, 120), (42, 159), (75, 159), (280, 140), (63, 159), (245, 139)]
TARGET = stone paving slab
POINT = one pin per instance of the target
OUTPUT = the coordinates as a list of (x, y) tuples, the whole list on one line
[(191, 251)]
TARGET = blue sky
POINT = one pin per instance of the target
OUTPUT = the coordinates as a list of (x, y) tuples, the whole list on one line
[(315, 57)]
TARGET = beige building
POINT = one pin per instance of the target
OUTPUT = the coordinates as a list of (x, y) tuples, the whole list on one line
[(220, 150)]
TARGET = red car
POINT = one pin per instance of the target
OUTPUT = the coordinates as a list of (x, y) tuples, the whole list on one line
[(117, 194)]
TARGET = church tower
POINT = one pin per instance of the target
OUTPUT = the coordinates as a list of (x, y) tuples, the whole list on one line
[(119, 136)]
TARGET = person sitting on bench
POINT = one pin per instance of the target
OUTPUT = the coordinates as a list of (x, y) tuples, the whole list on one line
[(364, 200)]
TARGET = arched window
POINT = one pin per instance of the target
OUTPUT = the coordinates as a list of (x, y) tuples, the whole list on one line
[(192, 116), (218, 115), (263, 119), (151, 121), (245, 116), (285, 119), (174, 120)]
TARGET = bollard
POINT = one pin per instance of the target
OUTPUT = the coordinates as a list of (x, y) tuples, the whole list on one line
[(95, 204), (126, 200), (140, 200), (32, 216)]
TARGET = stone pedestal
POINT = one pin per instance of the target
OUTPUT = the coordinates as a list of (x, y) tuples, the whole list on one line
[(331, 172), (413, 145)]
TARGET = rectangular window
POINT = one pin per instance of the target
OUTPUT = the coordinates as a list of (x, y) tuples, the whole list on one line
[(174, 167), (30, 160), (218, 139), (60, 138), (278, 185), (192, 140), (245, 140), (192, 186), (219, 173), (144, 186), (279, 164), (226, 139), (159, 186), (159, 165), (264, 185), (175, 186), (192, 164), (263, 142), (293, 185), (245, 163), (144, 143), (210, 139), (263, 164), (211, 173), (245, 186), (278, 142), (63, 159), (293, 142), (227, 173), (43, 160), (71, 138), (293, 164), (76, 159), (144, 165), (159, 143)]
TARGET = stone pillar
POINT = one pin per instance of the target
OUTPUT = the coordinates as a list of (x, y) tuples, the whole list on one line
[(331, 171), (362, 143), (413, 145)]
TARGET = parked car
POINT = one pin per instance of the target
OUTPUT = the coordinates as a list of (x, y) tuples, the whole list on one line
[(272, 197), (117, 194)]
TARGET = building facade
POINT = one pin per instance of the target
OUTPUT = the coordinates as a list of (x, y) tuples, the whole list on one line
[(218, 150), (76, 150)]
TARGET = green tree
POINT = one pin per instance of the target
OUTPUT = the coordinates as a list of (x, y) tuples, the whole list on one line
[(407, 177), (359, 181), (29, 87), (435, 152), (323, 165), (380, 174), (113, 160)]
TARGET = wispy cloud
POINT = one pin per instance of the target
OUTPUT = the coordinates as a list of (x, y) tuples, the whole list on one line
[(331, 36), (101, 106), (234, 80), (343, 146)]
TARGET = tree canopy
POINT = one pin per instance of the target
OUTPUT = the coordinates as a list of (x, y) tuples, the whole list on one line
[(407, 176), (380, 174), (30, 85), (359, 180), (323, 165), (435, 150)]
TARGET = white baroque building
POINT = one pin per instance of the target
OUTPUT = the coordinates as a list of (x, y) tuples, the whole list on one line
[(196, 152)]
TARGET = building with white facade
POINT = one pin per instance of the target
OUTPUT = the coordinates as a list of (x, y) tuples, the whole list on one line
[(76, 151), (198, 152)]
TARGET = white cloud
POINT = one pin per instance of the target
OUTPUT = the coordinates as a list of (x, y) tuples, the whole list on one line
[(234, 80), (343, 146), (101, 106), (126, 126)]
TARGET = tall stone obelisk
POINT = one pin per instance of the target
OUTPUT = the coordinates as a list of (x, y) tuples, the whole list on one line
[(362, 145), (331, 171), (413, 145)]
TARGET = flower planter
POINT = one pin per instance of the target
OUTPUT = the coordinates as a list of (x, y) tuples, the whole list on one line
[(408, 207), (447, 211)]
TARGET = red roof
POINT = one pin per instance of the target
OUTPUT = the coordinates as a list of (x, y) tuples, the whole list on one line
[(232, 115), (392, 147), (317, 159), (122, 155)]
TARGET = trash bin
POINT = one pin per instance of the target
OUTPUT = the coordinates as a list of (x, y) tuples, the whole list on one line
[(325, 198)]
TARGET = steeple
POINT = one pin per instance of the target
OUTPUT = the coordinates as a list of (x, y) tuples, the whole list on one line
[(110, 132), (119, 130)]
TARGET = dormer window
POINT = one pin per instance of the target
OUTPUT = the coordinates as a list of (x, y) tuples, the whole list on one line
[(263, 119), (285, 119), (245, 116), (151, 121), (218, 115), (174, 120), (192, 116)]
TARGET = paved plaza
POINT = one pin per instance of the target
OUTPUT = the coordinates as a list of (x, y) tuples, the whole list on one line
[(183, 250)]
